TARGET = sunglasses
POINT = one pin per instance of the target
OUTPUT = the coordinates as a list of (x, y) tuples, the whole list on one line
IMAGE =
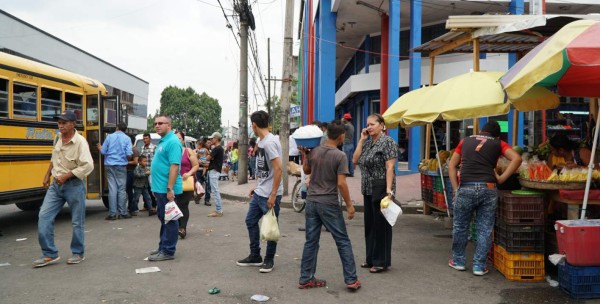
[(160, 123)]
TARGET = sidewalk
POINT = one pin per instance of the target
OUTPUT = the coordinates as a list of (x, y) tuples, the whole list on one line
[(408, 191)]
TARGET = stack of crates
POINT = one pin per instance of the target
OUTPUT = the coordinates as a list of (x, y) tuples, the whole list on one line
[(427, 188), (519, 237), (579, 241), (438, 192)]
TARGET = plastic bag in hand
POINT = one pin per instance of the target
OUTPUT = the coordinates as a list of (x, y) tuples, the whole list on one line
[(269, 228)]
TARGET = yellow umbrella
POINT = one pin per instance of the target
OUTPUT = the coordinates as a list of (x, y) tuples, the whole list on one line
[(393, 115), (472, 95)]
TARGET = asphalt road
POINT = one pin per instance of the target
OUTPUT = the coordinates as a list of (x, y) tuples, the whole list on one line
[(206, 259)]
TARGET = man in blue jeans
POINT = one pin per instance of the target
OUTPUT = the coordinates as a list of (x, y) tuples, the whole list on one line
[(328, 167), (71, 162), (348, 146), (215, 165), (116, 149), (267, 194), (477, 192), (166, 184)]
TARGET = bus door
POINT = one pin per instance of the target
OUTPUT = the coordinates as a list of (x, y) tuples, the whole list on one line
[(109, 114), (92, 134)]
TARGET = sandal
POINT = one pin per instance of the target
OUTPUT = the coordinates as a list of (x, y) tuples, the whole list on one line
[(375, 269), (313, 283), (365, 265)]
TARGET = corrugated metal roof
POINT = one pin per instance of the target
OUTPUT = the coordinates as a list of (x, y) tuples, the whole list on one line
[(496, 33)]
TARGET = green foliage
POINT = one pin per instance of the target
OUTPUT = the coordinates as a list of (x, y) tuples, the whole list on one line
[(197, 114)]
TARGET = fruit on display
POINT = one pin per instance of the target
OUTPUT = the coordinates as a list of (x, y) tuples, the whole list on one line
[(518, 149), (433, 164)]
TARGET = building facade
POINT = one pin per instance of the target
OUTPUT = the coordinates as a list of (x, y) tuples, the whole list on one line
[(23, 39)]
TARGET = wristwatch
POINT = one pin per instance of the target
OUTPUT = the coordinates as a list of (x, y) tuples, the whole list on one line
[(169, 189)]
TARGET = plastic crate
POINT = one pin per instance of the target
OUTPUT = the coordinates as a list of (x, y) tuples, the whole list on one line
[(579, 282), (519, 238), (519, 209), (437, 184), (441, 202), (521, 267), (429, 182)]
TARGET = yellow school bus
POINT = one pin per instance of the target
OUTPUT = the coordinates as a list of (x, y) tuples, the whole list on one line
[(31, 95)]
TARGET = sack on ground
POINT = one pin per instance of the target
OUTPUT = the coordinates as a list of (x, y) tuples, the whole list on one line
[(269, 228), (172, 212), (199, 189), (390, 210), (188, 184)]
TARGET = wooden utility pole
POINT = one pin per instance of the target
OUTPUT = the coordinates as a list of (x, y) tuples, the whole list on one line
[(269, 80), (286, 90)]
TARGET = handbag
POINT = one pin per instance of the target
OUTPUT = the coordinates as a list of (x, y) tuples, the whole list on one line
[(188, 184)]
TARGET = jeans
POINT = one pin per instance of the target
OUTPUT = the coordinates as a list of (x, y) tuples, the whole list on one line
[(256, 209), (73, 193), (117, 196), (483, 201), (145, 195), (349, 151), (132, 205), (169, 232), (331, 216), (214, 185), (204, 179), (252, 166)]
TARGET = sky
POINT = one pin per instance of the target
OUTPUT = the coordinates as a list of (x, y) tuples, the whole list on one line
[(183, 43)]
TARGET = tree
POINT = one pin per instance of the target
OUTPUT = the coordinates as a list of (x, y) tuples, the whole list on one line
[(198, 115)]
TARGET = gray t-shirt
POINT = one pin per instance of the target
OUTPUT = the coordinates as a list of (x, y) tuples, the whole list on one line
[(349, 139), (326, 163), (269, 148)]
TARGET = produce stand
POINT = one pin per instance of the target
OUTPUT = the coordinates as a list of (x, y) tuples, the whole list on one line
[(432, 192)]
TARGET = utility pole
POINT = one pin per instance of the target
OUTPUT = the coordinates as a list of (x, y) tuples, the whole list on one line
[(286, 90), (269, 80), (246, 20)]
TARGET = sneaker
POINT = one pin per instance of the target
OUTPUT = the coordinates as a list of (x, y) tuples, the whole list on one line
[(144, 209), (75, 259), (160, 256), (45, 261), (207, 203), (215, 214), (267, 266), (251, 261), (125, 216), (354, 286), (111, 218), (480, 270), (155, 251), (152, 212), (133, 213), (313, 283), (456, 266)]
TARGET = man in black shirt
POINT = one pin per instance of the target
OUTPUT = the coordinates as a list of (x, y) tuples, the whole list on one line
[(477, 192), (214, 171)]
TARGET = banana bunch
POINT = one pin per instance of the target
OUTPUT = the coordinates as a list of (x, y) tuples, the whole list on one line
[(573, 175)]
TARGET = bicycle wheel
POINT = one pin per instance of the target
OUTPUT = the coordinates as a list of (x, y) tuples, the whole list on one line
[(297, 201)]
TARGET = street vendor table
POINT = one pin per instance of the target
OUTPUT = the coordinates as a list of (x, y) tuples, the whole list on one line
[(573, 199)]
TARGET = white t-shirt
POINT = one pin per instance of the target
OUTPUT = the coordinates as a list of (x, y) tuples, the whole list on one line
[(268, 148)]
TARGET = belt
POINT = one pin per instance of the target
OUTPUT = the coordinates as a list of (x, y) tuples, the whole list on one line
[(488, 185)]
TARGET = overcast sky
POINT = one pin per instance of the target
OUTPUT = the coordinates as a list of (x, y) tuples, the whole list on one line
[(178, 42)]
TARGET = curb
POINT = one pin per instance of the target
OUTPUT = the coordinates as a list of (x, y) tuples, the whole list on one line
[(406, 209)]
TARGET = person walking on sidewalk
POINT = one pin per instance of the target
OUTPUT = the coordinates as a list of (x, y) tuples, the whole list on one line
[(348, 146), (267, 194), (328, 168), (478, 156), (376, 158), (71, 162), (215, 166), (188, 168), (116, 149), (166, 185), (148, 151)]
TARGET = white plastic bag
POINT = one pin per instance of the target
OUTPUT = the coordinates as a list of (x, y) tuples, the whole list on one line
[(199, 189), (391, 211), (172, 212), (269, 228)]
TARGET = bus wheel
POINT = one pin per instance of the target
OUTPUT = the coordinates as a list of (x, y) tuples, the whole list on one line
[(105, 201), (33, 206)]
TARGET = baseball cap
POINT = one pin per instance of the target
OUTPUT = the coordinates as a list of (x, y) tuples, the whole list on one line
[(347, 116), (216, 134), (67, 115)]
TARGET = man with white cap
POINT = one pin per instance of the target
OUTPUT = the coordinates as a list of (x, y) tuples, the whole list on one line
[(214, 171)]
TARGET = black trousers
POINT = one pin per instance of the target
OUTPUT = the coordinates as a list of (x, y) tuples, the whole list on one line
[(183, 202), (378, 232)]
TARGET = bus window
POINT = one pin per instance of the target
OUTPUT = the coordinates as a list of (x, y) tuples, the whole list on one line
[(3, 98), (92, 110), (51, 104), (24, 101), (74, 102)]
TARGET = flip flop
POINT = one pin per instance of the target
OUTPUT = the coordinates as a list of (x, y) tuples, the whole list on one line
[(365, 265), (377, 269)]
